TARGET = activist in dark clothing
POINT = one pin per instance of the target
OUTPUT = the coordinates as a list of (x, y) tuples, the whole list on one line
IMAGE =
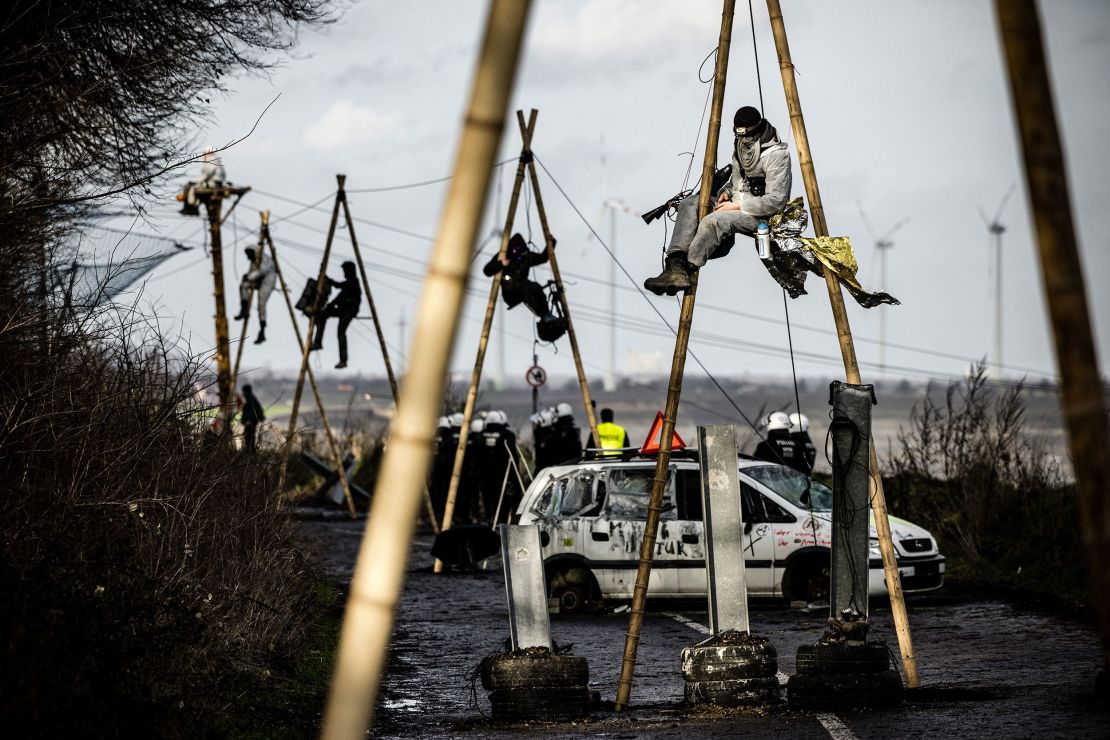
[(344, 307), (516, 288), (251, 415)]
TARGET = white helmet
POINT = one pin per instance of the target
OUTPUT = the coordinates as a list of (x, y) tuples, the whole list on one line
[(563, 409), (799, 423), (455, 419), (777, 420), (477, 425), (547, 417), (442, 423), (497, 417)]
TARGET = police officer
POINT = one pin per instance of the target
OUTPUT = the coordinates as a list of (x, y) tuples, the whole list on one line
[(778, 447), (445, 445), (566, 440), (613, 435), (542, 423), (805, 454), (499, 450)]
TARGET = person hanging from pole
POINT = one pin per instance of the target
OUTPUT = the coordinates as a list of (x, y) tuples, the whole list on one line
[(343, 307), (516, 287), (259, 278), (758, 188)]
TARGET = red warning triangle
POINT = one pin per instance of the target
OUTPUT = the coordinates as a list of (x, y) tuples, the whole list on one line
[(651, 444)]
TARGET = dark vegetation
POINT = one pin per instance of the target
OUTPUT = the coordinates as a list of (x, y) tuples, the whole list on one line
[(1002, 510), (149, 583)]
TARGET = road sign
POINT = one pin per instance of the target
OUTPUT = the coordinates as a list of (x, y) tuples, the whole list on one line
[(536, 376)]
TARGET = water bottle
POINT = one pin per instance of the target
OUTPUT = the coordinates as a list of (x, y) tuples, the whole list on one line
[(763, 240)]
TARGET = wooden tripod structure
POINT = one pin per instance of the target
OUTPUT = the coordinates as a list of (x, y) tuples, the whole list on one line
[(847, 346), (525, 163), (306, 344)]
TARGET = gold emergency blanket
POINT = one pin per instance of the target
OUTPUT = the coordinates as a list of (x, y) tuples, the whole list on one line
[(793, 255)]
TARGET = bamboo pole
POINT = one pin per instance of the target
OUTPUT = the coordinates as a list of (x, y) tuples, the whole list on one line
[(847, 347), (306, 344), (250, 299), (384, 550), (553, 261), (429, 510), (1065, 290), (678, 365), (214, 205), (483, 342), (336, 453)]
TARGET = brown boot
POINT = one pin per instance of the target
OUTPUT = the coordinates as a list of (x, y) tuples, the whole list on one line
[(675, 276)]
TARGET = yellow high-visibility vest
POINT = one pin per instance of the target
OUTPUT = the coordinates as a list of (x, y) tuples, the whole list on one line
[(612, 435)]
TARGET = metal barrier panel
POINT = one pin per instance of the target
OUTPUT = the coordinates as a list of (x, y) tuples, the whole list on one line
[(851, 435), (522, 559), (724, 529)]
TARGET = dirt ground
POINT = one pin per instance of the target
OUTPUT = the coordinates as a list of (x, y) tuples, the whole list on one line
[(988, 668)]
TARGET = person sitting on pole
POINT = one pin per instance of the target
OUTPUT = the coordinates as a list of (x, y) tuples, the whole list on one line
[(261, 279), (211, 175), (778, 447), (343, 307), (613, 436), (758, 189), (516, 288)]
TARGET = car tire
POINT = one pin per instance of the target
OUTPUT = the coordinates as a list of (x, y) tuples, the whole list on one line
[(743, 692), (509, 671), (844, 691), (825, 659), (730, 662), (560, 704), (575, 589)]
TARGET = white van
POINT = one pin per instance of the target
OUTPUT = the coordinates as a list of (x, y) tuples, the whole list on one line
[(591, 516)]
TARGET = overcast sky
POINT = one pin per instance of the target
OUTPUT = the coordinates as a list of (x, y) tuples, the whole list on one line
[(908, 114)]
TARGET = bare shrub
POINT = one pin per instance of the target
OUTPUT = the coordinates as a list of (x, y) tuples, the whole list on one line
[(967, 470)]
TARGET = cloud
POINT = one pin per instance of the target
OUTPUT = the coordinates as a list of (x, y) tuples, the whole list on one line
[(348, 124)]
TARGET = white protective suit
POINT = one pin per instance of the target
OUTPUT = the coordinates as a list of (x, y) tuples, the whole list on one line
[(262, 280)]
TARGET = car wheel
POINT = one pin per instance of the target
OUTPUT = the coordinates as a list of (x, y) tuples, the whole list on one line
[(729, 662), (807, 580), (575, 589)]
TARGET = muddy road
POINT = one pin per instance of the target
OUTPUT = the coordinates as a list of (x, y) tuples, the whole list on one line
[(987, 669)]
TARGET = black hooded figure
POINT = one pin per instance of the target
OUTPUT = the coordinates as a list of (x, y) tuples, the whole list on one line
[(516, 288), (343, 307)]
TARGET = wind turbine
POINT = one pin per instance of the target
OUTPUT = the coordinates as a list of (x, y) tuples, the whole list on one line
[(882, 246), (995, 228)]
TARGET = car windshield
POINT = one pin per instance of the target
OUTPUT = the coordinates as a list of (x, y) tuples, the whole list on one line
[(793, 486)]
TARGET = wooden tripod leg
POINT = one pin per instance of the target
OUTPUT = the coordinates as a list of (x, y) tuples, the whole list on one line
[(674, 386), (491, 306), (847, 346)]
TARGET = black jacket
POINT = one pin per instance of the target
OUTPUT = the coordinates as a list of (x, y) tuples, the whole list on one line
[(517, 269), (349, 299)]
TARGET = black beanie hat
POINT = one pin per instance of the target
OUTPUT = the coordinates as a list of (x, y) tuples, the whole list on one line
[(748, 121)]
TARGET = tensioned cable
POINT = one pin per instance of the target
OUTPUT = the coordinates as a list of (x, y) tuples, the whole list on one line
[(730, 311), (421, 184)]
